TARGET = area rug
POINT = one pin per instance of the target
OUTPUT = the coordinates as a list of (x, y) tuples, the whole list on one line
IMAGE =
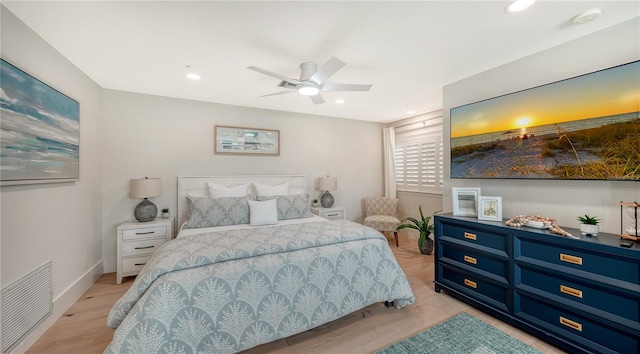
[(460, 334)]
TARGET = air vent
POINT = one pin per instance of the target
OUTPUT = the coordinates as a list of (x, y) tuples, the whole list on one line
[(25, 303)]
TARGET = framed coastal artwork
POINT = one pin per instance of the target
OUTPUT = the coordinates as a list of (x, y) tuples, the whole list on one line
[(582, 128), (39, 130), (246, 141), (490, 208)]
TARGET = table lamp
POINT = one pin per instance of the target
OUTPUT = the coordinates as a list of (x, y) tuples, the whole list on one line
[(327, 184), (145, 188)]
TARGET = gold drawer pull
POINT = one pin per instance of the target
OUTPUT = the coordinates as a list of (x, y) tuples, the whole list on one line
[(571, 291), (470, 260), (470, 283), (571, 324), (570, 259), (470, 236)]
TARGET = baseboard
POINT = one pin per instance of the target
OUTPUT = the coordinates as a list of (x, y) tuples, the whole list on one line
[(61, 304)]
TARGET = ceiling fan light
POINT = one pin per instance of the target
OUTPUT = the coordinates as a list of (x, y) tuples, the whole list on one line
[(519, 5), (308, 90)]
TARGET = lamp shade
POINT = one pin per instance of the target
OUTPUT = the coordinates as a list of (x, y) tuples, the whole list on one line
[(328, 184), (145, 187)]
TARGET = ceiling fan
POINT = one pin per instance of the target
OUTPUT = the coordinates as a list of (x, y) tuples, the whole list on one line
[(312, 80)]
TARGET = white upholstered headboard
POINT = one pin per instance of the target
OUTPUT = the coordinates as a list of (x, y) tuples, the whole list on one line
[(197, 185)]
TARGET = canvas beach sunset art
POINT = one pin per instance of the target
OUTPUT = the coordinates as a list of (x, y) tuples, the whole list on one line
[(586, 127)]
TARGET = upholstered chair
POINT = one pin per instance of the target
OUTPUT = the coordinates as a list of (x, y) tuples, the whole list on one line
[(381, 213)]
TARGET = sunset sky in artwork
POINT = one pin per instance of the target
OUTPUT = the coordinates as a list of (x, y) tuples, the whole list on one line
[(603, 93)]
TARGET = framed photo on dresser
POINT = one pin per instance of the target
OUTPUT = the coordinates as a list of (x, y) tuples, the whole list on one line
[(490, 208)]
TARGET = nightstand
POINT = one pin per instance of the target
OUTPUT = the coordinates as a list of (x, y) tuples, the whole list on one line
[(335, 213), (137, 241)]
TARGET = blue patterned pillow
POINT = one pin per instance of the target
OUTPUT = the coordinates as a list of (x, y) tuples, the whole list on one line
[(291, 206), (206, 212)]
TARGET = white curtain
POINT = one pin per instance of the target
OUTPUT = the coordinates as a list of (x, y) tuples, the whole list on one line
[(389, 142)]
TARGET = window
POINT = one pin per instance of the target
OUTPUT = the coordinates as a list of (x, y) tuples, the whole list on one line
[(418, 163)]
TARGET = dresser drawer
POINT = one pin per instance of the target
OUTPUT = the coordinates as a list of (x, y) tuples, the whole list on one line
[(333, 215), (134, 264), (586, 331), (599, 299), (475, 236), (133, 234), (137, 248), (619, 268), (476, 287), (475, 260)]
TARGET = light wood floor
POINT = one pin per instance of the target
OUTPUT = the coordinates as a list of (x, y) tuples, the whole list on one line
[(82, 328)]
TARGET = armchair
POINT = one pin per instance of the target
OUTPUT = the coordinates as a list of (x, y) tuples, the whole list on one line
[(381, 213)]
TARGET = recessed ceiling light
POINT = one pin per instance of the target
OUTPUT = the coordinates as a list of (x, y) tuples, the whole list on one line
[(193, 76), (586, 16), (411, 112), (519, 5), (339, 101)]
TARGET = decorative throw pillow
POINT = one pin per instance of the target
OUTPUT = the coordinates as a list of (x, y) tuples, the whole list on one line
[(291, 206), (263, 213), (220, 191), (266, 190), (209, 212)]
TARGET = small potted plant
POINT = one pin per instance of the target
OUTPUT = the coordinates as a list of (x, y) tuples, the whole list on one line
[(425, 244), (315, 203), (588, 225), (165, 213)]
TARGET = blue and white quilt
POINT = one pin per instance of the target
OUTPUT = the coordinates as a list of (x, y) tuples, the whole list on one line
[(228, 291)]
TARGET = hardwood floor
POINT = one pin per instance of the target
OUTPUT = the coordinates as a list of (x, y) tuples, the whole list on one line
[(82, 329)]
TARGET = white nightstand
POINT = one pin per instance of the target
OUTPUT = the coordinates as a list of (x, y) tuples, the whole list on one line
[(335, 213), (137, 241)]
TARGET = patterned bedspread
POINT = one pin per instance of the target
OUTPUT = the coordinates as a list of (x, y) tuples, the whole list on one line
[(227, 291)]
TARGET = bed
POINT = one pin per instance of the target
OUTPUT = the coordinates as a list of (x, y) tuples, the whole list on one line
[(236, 285)]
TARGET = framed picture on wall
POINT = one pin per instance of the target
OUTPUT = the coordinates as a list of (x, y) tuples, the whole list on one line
[(490, 208), (40, 130), (246, 141), (465, 201)]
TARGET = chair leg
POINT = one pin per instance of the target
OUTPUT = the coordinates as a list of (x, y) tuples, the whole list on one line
[(395, 234)]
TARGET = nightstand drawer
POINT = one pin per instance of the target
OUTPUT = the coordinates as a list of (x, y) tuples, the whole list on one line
[(333, 215), (144, 233), (137, 248), (561, 320), (475, 236), (134, 264)]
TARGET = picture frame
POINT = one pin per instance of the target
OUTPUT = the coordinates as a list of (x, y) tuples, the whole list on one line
[(40, 130), (490, 208), (246, 141), (465, 201)]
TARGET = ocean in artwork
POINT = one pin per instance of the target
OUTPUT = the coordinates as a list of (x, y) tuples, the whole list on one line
[(39, 129)]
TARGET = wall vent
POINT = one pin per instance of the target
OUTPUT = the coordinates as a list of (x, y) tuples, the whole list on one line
[(25, 303)]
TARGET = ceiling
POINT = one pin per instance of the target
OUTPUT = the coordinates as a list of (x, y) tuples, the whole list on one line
[(407, 50)]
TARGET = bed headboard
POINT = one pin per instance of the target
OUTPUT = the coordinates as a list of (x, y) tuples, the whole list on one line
[(198, 185)]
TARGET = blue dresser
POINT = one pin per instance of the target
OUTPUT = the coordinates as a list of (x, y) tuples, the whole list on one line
[(582, 295)]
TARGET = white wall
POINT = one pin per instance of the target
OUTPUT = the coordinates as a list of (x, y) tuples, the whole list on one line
[(59, 222), (563, 200), (163, 137)]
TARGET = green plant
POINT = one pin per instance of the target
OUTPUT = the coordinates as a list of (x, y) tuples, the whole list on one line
[(165, 210), (315, 201), (588, 220), (423, 226)]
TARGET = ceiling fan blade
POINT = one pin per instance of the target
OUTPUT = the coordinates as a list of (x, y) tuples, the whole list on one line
[(325, 71), (345, 87), (278, 93), (317, 99), (276, 75)]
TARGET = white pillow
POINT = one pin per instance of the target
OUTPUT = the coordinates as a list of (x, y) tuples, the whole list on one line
[(263, 213), (267, 190), (220, 191)]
